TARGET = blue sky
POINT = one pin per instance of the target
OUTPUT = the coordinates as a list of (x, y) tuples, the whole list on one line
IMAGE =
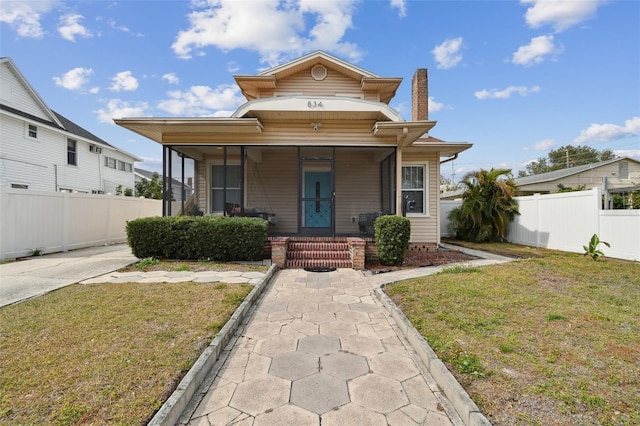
[(515, 78)]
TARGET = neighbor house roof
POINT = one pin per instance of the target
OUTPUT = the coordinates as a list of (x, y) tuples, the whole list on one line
[(58, 121), (562, 173)]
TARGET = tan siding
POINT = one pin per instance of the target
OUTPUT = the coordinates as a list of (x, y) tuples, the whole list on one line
[(357, 187), (425, 229), (303, 83), (203, 200), (273, 184)]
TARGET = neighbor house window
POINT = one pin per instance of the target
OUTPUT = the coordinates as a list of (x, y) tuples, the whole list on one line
[(414, 189), (233, 182), (33, 131), (72, 152), (19, 186), (110, 162)]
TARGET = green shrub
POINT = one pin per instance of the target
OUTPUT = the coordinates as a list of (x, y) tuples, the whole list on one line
[(392, 238), (216, 238)]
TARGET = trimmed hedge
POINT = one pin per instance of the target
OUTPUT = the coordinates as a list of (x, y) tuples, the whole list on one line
[(216, 238), (392, 238)]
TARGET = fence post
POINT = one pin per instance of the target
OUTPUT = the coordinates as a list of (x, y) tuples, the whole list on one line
[(598, 195), (65, 220), (4, 205), (109, 235), (536, 199)]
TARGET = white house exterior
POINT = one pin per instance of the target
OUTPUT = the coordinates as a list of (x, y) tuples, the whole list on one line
[(42, 150)]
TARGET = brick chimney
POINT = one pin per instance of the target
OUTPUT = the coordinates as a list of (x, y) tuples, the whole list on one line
[(420, 96)]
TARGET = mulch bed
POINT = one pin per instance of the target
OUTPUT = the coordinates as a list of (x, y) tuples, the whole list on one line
[(421, 258)]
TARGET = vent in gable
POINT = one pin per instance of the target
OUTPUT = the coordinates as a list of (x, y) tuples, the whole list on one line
[(319, 72)]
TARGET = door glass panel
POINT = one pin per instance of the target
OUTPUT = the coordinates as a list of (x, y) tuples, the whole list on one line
[(317, 199)]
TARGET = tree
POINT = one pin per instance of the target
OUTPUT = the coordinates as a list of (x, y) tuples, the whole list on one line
[(487, 206), (150, 188), (566, 156)]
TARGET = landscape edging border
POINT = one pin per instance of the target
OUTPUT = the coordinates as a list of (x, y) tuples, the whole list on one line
[(171, 410), (468, 411)]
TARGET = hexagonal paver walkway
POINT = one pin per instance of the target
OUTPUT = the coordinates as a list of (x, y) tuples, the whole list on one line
[(319, 349)]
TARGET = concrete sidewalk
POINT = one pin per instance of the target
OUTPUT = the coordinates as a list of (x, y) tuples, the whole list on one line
[(320, 349), (35, 276)]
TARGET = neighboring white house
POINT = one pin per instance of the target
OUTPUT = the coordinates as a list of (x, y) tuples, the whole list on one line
[(176, 185), (42, 150)]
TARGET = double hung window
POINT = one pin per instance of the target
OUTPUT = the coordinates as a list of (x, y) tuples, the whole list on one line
[(414, 189), (72, 153)]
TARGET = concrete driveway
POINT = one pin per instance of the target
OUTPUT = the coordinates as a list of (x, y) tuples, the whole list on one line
[(24, 279)]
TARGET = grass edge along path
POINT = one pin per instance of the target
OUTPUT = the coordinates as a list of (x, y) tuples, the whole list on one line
[(105, 353), (550, 340)]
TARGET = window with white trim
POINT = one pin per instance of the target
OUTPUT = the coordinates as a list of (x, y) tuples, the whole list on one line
[(72, 154), (32, 131), (414, 189)]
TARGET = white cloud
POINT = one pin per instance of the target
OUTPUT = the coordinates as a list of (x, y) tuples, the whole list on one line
[(505, 93), (124, 81), (447, 54), (633, 153), (435, 105), (122, 28), (542, 145), (203, 101), (152, 164), (24, 17), (276, 29), (560, 14), (69, 27), (401, 5), (536, 51), (74, 79), (608, 132), (171, 78), (117, 108)]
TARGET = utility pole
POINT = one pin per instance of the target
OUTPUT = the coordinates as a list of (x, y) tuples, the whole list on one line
[(567, 149)]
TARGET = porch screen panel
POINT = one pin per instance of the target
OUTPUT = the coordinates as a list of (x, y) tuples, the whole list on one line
[(388, 187), (234, 185)]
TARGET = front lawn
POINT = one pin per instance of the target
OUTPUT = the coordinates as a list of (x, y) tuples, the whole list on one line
[(105, 353), (552, 339)]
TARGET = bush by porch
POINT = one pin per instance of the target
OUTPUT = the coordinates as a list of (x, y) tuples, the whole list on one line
[(211, 237)]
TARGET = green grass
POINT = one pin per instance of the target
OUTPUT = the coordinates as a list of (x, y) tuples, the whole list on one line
[(105, 353), (549, 339), (148, 264)]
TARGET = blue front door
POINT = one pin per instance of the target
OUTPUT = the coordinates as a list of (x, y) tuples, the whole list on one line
[(317, 202)]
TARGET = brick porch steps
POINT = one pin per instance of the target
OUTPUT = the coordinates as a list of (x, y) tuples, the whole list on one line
[(314, 254)]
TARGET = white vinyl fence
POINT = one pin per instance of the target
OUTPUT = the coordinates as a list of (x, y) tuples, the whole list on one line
[(566, 222), (56, 221)]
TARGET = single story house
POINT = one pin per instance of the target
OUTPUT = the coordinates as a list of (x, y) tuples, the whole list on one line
[(41, 149), (610, 175), (316, 150)]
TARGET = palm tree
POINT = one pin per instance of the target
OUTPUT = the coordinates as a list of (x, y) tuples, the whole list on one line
[(487, 206)]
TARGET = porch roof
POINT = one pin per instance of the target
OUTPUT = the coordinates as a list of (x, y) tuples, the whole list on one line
[(156, 128), (317, 108)]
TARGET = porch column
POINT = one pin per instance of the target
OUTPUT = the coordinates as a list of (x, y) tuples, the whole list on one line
[(399, 181)]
